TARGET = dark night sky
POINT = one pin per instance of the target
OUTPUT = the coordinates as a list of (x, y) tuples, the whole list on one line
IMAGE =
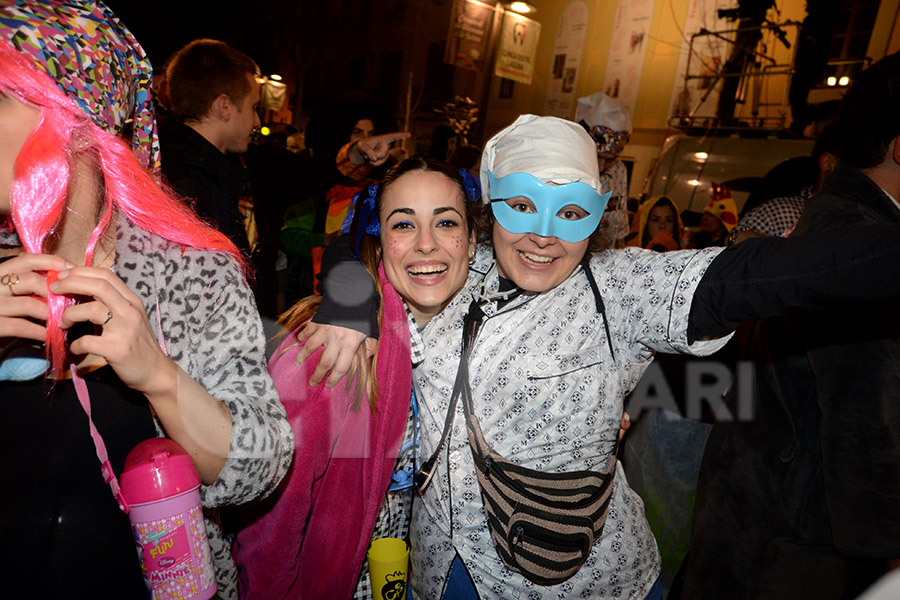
[(163, 26)]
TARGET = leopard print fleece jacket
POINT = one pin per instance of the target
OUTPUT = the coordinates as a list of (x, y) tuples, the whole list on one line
[(211, 328)]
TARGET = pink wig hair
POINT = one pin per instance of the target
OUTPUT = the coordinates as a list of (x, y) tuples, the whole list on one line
[(42, 175)]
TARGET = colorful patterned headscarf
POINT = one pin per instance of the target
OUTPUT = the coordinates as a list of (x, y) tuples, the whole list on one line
[(609, 141), (94, 59)]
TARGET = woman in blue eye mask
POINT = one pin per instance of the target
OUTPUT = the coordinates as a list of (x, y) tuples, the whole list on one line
[(545, 210), (563, 335)]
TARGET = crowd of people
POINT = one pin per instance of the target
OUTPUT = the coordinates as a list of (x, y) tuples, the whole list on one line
[(478, 329)]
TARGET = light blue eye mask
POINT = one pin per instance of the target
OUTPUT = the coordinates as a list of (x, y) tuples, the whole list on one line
[(549, 200)]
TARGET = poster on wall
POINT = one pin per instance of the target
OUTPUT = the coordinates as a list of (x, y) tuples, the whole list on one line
[(708, 54), (517, 48), (469, 35), (567, 53), (626, 51)]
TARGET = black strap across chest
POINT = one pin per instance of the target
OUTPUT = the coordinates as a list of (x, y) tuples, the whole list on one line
[(471, 325)]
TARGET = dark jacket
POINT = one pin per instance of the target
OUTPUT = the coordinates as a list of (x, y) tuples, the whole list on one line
[(211, 180), (804, 500), (854, 357)]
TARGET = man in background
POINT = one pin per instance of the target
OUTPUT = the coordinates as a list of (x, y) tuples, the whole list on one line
[(214, 99), (804, 500)]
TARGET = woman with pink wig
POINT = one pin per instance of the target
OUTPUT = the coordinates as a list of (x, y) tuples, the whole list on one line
[(122, 316)]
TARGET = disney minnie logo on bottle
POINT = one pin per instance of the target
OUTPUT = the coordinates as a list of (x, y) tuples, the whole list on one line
[(162, 488)]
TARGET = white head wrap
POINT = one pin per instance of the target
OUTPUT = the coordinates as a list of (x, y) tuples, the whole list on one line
[(600, 109), (553, 150)]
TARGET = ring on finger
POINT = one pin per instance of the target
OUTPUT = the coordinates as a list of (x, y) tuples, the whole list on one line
[(109, 316), (10, 279)]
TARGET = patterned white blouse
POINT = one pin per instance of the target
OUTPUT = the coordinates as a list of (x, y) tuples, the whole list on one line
[(549, 396)]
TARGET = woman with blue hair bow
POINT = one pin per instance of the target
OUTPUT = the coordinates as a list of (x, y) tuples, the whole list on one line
[(351, 480), (554, 336)]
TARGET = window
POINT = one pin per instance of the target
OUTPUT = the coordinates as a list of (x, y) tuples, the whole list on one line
[(849, 40)]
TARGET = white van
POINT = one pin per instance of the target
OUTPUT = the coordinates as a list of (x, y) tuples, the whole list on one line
[(687, 165)]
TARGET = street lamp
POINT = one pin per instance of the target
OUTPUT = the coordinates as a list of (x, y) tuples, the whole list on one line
[(523, 8)]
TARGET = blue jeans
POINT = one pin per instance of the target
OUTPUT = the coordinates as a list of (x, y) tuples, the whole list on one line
[(655, 591), (460, 587), (459, 583)]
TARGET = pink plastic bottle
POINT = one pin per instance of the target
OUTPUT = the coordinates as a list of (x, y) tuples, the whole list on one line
[(161, 486)]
